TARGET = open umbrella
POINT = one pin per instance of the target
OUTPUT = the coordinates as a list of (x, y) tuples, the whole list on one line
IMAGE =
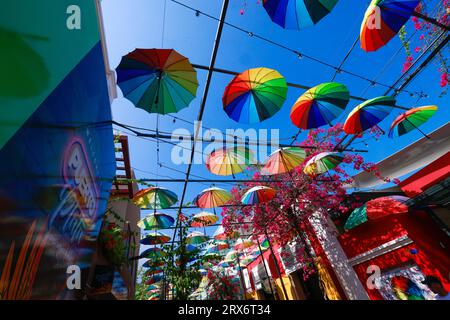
[(196, 237), (220, 234), (221, 245), (211, 256), (320, 105), (155, 198), (298, 14), (212, 198), (153, 271), (384, 19), (411, 120), (368, 114), (153, 287), (155, 238), (283, 160), (204, 219), (154, 279), (242, 244), (406, 289), (377, 208), (156, 221), (258, 194), (229, 161), (153, 254), (157, 80), (254, 95), (153, 263), (323, 162)]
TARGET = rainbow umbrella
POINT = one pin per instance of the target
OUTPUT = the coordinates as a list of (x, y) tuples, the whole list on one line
[(220, 234), (298, 14), (383, 20), (153, 254), (320, 105), (411, 120), (157, 80), (283, 160), (406, 289), (156, 221), (323, 162), (368, 114), (204, 219), (155, 238), (242, 244), (154, 279), (153, 287), (231, 256), (245, 260), (196, 237), (153, 263), (155, 198), (212, 197), (258, 194), (254, 95), (153, 271), (228, 161), (211, 256), (377, 208), (221, 245)]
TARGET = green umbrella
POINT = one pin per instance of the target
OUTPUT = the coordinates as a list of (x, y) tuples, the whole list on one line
[(155, 198)]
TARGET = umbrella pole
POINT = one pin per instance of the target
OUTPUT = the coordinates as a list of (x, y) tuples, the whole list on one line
[(265, 267), (276, 265)]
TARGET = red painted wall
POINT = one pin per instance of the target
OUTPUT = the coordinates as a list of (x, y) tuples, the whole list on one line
[(431, 243)]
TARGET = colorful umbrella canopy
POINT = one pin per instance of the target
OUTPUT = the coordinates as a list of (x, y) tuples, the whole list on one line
[(298, 14), (220, 234), (154, 279), (156, 221), (153, 254), (221, 245), (377, 208), (153, 263), (411, 119), (245, 260), (212, 197), (155, 238), (406, 289), (210, 256), (157, 80), (153, 287), (204, 218), (153, 271), (368, 114), (242, 244), (155, 198), (229, 161), (254, 95), (283, 160), (383, 20), (231, 256), (258, 194), (196, 237), (320, 105), (323, 162)]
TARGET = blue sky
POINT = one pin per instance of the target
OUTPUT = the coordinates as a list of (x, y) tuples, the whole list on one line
[(140, 23)]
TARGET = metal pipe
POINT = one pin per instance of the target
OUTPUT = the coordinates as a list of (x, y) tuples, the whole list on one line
[(203, 103)]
